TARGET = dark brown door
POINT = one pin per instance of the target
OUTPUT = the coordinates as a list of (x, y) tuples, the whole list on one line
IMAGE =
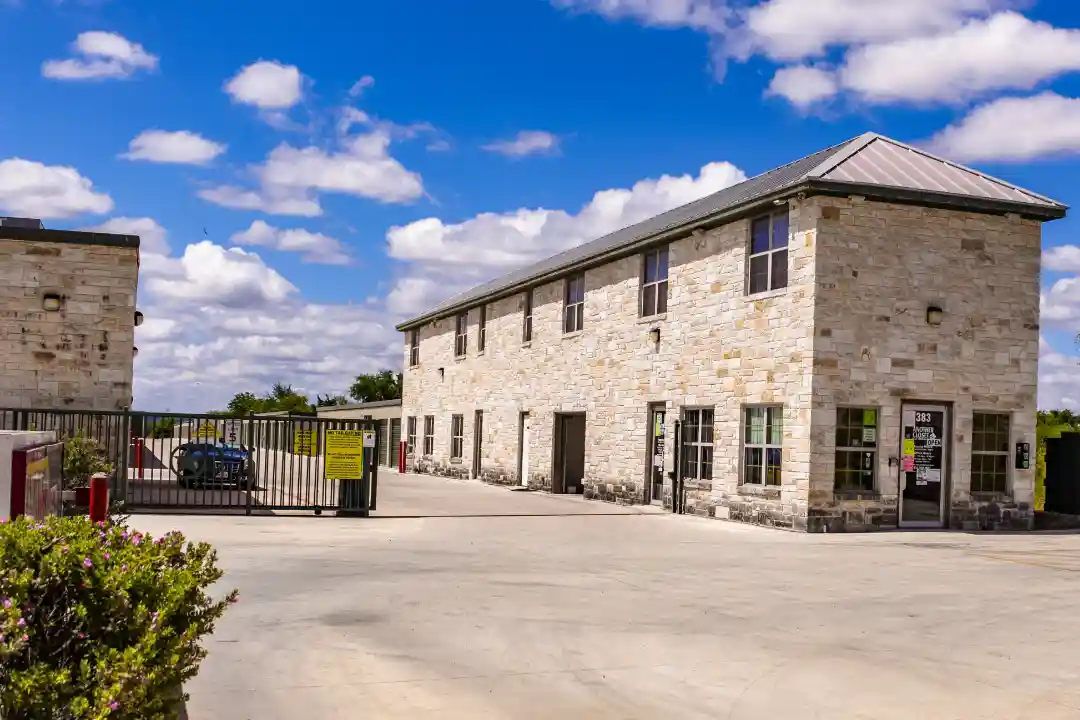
[(478, 439)]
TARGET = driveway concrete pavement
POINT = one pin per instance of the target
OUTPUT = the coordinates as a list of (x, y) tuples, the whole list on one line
[(463, 600)]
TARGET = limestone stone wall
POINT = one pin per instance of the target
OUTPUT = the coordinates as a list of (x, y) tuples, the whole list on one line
[(81, 356), (718, 349), (879, 267)]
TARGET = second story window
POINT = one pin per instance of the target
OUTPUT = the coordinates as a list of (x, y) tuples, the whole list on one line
[(414, 348), (461, 334), (768, 259), (481, 338), (574, 304), (526, 322), (654, 285)]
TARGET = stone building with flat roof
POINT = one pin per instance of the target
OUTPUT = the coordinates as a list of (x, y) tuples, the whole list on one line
[(848, 342), (67, 317)]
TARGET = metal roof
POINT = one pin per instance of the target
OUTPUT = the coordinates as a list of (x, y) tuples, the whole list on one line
[(865, 164)]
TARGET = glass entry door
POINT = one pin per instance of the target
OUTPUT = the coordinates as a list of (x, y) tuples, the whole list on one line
[(924, 455), (656, 454)]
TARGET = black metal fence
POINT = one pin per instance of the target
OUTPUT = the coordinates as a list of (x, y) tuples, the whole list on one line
[(252, 464)]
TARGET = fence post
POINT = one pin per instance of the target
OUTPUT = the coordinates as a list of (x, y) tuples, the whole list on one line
[(252, 465), (375, 471)]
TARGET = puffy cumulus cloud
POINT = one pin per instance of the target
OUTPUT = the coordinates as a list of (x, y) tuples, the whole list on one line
[(1004, 52), (788, 30), (100, 55), (181, 146), (208, 274), (267, 85), (153, 238), (290, 177), (1062, 258), (48, 191), (447, 258), (1059, 381), (803, 85), (526, 142), (1013, 129), (707, 15), (313, 247)]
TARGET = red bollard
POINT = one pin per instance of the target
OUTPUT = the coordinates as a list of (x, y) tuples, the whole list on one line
[(139, 456), (99, 498), (401, 456)]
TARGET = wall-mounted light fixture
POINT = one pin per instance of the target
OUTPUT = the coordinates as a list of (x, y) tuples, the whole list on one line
[(134, 351), (654, 335), (934, 315), (442, 373), (51, 302), (138, 318)]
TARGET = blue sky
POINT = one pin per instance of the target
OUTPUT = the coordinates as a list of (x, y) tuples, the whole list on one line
[(305, 180)]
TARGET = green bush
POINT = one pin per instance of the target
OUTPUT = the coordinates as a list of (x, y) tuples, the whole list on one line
[(98, 621), (83, 458)]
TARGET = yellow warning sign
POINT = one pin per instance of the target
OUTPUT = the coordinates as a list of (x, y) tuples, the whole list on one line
[(909, 447), (344, 454), (304, 443), (206, 430)]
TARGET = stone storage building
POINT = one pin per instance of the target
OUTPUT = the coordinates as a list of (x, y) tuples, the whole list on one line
[(848, 342), (68, 317)]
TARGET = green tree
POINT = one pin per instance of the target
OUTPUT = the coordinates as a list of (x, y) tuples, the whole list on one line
[(281, 398), (330, 400), (244, 403), (383, 385)]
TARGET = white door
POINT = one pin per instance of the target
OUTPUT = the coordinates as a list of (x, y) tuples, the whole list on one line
[(523, 476)]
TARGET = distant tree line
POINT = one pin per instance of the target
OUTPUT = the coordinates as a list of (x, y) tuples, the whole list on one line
[(382, 385)]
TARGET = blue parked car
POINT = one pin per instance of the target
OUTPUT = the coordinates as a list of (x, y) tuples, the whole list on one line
[(202, 463)]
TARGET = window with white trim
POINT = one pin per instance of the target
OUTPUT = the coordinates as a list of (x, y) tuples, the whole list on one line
[(457, 435), (990, 453), (767, 264), (461, 334), (527, 318), (654, 283), (697, 443), (763, 440), (574, 304), (429, 435), (856, 450), (414, 348), (481, 339), (410, 435)]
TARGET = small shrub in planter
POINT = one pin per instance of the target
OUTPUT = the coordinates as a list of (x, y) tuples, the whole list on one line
[(99, 621), (83, 458)]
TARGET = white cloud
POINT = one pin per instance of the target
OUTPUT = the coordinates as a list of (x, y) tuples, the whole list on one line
[(1013, 129), (48, 191), (100, 55), (789, 30), (362, 167), (448, 258), (268, 85), (314, 247), (1006, 51), (527, 142), (708, 15), (1059, 379), (153, 237), (360, 85), (802, 85), (1062, 258), (208, 274), (181, 146)]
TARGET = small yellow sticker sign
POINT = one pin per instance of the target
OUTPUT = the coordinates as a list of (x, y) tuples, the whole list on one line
[(909, 448), (304, 443), (344, 454), (206, 430)]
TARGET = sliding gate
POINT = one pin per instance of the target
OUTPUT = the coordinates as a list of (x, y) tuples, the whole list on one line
[(252, 464)]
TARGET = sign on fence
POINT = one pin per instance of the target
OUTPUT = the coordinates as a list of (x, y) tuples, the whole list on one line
[(345, 454), (304, 443), (206, 430)]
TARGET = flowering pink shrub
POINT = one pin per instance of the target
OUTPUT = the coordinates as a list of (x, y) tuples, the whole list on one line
[(98, 621)]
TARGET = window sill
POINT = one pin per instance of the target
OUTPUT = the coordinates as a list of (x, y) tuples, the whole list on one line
[(479, 353), (576, 333), (766, 491), (856, 495), (991, 497), (648, 319), (455, 461), (526, 344), (428, 458), (766, 295), (459, 358)]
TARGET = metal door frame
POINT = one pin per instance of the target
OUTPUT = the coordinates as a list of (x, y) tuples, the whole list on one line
[(946, 464)]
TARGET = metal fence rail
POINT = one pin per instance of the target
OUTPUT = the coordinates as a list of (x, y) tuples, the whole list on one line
[(200, 462)]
